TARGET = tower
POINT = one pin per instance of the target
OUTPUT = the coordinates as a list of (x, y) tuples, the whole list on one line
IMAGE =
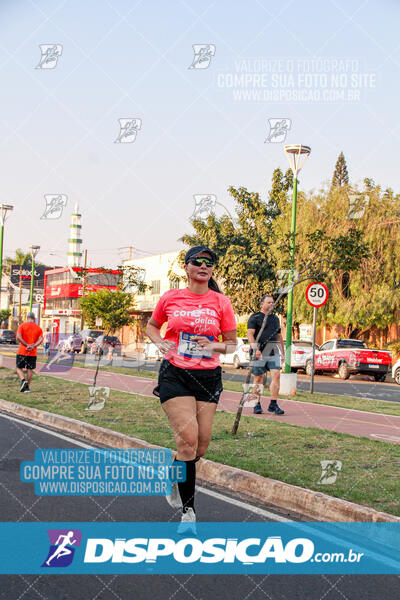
[(74, 240)]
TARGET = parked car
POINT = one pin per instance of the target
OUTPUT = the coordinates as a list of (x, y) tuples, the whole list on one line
[(396, 371), (71, 343), (301, 351), (7, 336), (150, 350), (103, 343), (351, 356), (239, 358), (88, 337)]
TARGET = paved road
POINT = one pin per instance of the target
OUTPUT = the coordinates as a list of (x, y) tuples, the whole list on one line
[(375, 426), (358, 386), (19, 440)]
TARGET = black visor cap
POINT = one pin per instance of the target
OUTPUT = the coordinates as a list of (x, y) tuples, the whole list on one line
[(193, 252)]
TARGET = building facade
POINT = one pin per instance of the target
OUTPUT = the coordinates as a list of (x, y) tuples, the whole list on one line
[(63, 289)]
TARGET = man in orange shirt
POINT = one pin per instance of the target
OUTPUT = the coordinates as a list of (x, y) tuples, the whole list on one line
[(30, 336)]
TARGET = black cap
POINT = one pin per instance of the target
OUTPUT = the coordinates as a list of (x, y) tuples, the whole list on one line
[(192, 252)]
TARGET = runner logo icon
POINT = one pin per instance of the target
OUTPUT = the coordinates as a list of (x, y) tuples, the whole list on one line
[(62, 547)]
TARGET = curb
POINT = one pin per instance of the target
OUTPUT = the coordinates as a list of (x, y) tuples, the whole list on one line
[(262, 490)]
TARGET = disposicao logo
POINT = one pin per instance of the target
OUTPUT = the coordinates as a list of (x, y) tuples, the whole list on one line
[(190, 550), (62, 547)]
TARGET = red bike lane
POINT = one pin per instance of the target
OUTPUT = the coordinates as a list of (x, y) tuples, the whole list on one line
[(306, 414)]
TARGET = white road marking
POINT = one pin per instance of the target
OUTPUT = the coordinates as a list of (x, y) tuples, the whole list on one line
[(385, 437), (254, 509), (59, 435), (258, 511)]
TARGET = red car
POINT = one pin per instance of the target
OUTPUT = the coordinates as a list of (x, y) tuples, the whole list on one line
[(348, 357)]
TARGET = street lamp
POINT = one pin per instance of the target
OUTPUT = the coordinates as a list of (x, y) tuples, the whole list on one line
[(34, 250), (4, 208), (297, 155)]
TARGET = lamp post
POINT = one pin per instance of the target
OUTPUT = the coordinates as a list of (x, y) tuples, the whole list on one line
[(297, 155), (34, 250), (4, 209)]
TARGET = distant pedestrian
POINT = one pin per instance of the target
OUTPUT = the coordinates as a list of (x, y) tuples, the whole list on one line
[(30, 336), (266, 353), (46, 341)]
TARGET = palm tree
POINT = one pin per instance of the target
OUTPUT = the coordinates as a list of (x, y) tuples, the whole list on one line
[(20, 258), (23, 260)]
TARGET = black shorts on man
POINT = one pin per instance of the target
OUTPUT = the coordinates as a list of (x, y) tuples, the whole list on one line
[(26, 362), (204, 384)]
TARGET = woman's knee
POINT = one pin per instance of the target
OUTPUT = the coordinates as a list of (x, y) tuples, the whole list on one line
[(187, 445), (185, 452), (202, 447)]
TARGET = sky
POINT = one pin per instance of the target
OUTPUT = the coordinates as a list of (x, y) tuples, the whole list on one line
[(200, 82)]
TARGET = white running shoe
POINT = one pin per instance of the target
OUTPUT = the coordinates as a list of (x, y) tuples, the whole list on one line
[(188, 522), (174, 498)]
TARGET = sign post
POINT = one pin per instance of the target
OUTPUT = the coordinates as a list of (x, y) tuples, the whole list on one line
[(316, 295)]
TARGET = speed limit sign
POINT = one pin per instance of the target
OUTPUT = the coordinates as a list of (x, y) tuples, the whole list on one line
[(317, 294)]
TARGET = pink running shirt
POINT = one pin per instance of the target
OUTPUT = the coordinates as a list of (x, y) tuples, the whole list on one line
[(200, 314)]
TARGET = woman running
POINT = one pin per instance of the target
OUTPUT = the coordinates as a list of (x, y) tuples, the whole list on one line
[(190, 382)]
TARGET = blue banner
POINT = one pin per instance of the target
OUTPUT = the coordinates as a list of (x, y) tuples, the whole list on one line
[(216, 548)]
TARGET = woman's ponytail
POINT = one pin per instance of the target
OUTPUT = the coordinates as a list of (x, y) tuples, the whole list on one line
[(213, 285)]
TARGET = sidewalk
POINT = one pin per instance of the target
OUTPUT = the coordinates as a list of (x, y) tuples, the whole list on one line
[(374, 426)]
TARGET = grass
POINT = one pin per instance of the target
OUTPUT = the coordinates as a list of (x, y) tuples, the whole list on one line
[(285, 452), (364, 404)]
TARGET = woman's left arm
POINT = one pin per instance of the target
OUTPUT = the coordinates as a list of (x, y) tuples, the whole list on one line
[(230, 342), (228, 345)]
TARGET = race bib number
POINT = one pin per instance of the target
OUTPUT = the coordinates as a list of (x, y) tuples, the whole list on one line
[(190, 348)]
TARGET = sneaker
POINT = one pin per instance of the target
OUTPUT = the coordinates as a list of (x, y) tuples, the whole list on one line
[(274, 408), (24, 385), (188, 522), (174, 498), (27, 390), (257, 410)]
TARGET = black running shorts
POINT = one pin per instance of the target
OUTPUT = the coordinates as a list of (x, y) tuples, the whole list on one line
[(204, 384), (26, 362)]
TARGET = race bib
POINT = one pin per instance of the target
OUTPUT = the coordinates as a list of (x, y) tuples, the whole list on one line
[(190, 348)]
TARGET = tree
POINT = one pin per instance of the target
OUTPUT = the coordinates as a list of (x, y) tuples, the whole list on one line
[(340, 175), (4, 315), (364, 282), (281, 184), (246, 267), (111, 306), (20, 258)]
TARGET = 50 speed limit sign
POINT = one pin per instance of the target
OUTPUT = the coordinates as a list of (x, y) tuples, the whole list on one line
[(317, 294)]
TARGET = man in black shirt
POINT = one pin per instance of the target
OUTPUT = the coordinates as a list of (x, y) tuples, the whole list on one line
[(267, 353)]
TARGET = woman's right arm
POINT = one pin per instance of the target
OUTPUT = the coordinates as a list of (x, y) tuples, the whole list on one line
[(153, 332)]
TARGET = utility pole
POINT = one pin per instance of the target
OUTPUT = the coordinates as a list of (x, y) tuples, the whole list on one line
[(4, 209), (130, 249), (33, 250), (297, 155), (20, 293), (84, 286)]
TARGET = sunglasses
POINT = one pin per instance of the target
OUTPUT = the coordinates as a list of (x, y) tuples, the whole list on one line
[(197, 262)]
